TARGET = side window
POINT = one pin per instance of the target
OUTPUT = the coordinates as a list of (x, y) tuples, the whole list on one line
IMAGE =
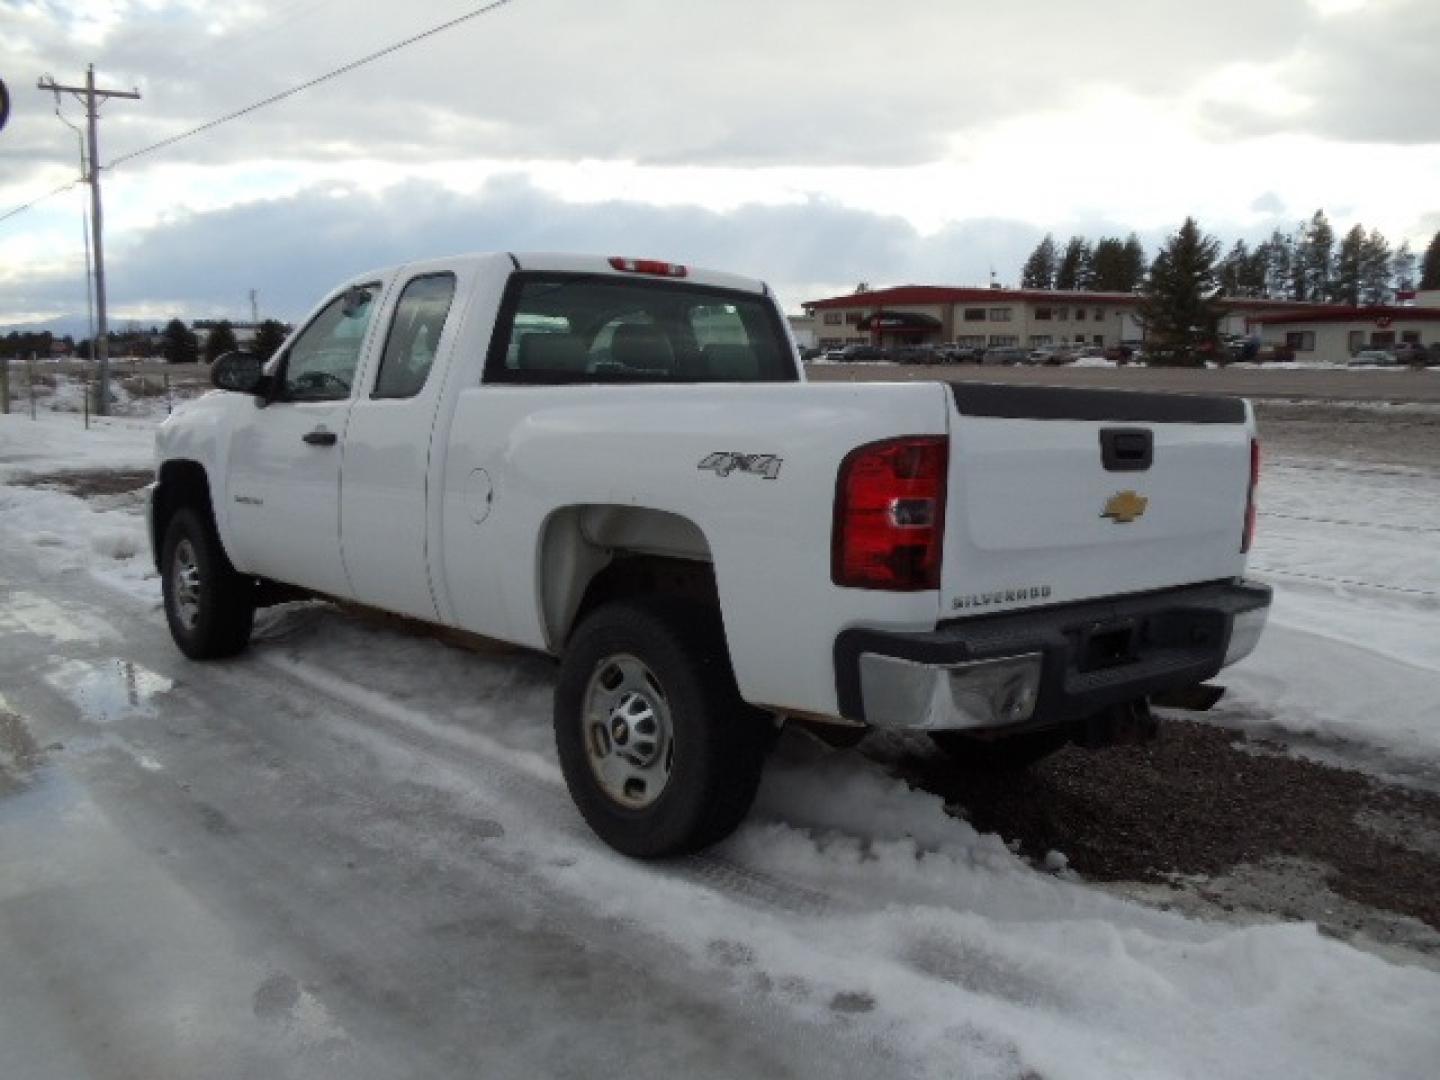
[(320, 366), (414, 336)]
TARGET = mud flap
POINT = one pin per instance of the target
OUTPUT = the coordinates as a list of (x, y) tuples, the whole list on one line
[(1197, 698), (1120, 725)]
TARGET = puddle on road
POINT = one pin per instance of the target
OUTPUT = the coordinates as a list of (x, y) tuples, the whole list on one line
[(108, 690), (30, 613)]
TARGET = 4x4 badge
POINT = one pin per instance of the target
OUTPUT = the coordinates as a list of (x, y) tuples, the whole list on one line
[(724, 462), (1124, 507)]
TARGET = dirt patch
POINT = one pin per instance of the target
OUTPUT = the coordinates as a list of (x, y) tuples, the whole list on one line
[(88, 483), (1407, 436), (1200, 801)]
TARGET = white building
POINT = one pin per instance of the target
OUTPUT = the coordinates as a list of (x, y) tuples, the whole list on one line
[(1335, 332)]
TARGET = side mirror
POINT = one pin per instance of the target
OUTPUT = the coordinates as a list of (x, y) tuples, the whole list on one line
[(242, 372)]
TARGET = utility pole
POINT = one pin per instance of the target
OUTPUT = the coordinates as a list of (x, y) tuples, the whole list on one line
[(254, 307), (92, 99)]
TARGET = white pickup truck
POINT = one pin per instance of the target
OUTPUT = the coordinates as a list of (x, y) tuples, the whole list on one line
[(619, 462)]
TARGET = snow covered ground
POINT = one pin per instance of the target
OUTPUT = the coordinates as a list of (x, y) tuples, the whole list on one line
[(891, 937)]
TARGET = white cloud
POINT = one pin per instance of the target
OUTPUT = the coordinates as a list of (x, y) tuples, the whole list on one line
[(912, 125)]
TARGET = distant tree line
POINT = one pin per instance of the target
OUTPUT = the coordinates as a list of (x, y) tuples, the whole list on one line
[(1109, 265), (1309, 263), (19, 344)]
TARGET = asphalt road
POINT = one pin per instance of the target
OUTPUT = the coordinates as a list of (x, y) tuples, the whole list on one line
[(1340, 384)]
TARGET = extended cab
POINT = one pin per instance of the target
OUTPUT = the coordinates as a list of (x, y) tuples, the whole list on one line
[(619, 462)]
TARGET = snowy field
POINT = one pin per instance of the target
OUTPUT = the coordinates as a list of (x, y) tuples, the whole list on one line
[(852, 927)]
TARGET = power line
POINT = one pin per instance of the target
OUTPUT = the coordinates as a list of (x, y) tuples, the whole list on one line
[(38, 199), (335, 73)]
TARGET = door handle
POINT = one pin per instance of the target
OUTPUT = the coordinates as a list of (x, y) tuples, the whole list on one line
[(320, 437)]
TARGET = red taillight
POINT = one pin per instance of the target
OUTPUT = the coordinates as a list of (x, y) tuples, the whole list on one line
[(648, 266), (1249, 533), (890, 515)]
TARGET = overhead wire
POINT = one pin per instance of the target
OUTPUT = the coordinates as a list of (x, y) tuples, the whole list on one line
[(484, 9), (394, 47)]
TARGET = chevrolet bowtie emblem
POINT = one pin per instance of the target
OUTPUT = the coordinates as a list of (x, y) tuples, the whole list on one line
[(1124, 507)]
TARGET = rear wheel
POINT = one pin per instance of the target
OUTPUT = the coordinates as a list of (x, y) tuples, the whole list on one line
[(209, 606), (659, 752), (1009, 753)]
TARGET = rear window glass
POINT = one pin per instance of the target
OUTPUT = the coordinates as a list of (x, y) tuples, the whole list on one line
[(587, 328)]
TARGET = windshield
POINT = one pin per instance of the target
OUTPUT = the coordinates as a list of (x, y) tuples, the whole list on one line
[(587, 328)]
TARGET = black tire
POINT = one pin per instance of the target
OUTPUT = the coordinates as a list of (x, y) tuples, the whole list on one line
[(716, 744), (211, 615), (1010, 753)]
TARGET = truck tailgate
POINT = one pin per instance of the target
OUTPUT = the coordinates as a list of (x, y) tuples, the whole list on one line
[(1060, 494)]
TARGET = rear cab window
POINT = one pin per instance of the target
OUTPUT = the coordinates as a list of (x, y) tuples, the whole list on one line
[(594, 328)]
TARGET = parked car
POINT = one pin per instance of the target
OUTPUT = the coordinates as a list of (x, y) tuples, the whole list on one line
[(1411, 352), (1005, 354), (710, 546), (910, 354), (1374, 358), (861, 354), (967, 354)]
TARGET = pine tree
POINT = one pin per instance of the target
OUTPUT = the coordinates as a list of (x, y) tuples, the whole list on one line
[(1317, 257), (269, 336), (1375, 269), (1109, 266), (220, 341), (1178, 308), (1233, 271), (180, 345), (1279, 252), (1344, 285), (1039, 270), (1134, 263), (1402, 267), (1075, 269), (1430, 265)]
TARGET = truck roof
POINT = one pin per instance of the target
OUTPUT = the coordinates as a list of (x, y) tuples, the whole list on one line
[(572, 263)]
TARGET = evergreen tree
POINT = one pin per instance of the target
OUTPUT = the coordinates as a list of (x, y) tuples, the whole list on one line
[(1109, 266), (1375, 269), (1134, 263), (1317, 257), (180, 346), (1179, 308), (1039, 269), (1402, 267), (1233, 273), (220, 341), (1075, 266), (1278, 256), (269, 336), (1430, 265), (1345, 283)]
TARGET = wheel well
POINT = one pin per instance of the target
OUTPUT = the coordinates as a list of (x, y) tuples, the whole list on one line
[(649, 575), (181, 484), (594, 553)]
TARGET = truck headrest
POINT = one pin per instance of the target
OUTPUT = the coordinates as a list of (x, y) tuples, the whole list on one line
[(552, 352), (637, 345)]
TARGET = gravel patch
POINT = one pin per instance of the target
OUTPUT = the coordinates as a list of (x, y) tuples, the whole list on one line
[(1199, 803)]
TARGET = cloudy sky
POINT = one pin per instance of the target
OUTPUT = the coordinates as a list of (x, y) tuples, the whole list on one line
[(814, 143)]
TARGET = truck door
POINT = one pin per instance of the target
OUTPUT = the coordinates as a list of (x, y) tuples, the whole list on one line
[(283, 483), (383, 496)]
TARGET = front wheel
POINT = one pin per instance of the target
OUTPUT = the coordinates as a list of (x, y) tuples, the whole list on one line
[(659, 752), (209, 606)]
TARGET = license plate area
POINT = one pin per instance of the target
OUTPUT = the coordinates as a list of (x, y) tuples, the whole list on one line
[(1107, 645)]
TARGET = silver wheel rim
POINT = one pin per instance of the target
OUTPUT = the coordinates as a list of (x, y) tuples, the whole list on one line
[(185, 584), (627, 730)]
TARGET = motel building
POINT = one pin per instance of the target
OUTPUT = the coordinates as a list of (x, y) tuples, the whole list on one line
[(1333, 333), (994, 317)]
